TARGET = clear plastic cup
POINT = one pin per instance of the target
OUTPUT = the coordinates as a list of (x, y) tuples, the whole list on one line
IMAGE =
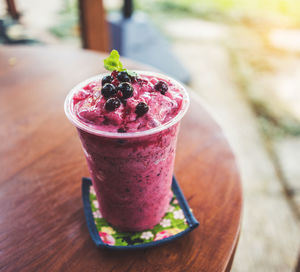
[(131, 172)]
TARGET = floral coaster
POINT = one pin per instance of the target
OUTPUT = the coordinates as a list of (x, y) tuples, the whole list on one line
[(177, 221)]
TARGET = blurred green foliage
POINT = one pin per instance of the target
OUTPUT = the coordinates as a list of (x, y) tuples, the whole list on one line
[(225, 8), (67, 22)]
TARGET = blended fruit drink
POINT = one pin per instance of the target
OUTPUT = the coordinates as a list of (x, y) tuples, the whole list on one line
[(128, 127)]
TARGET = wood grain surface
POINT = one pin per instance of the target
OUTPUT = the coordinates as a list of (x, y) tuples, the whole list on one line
[(42, 224)]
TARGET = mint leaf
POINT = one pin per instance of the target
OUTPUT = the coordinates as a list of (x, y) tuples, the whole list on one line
[(113, 62)]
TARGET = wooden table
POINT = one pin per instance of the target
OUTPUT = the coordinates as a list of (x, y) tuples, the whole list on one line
[(42, 224)]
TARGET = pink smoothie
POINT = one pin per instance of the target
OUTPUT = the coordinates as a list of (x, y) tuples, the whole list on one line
[(89, 106), (130, 155)]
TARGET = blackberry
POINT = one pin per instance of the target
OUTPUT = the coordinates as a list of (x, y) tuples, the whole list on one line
[(126, 89), (114, 73), (141, 109), (112, 104), (161, 87), (108, 90), (106, 79), (123, 77), (115, 82)]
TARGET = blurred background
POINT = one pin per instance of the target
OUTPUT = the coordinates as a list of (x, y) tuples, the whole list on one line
[(242, 57)]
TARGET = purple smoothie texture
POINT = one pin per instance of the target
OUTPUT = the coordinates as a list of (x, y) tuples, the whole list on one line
[(132, 176), (89, 106)]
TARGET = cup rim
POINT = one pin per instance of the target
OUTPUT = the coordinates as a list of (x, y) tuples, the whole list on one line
[(68, 107)]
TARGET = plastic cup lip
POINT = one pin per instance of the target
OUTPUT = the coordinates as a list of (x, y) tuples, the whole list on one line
[(68, 107)]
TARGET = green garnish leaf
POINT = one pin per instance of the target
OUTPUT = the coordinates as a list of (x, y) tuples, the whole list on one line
[(113, 63)]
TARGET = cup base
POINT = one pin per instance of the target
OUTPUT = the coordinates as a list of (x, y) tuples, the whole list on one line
[(177, 221)]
